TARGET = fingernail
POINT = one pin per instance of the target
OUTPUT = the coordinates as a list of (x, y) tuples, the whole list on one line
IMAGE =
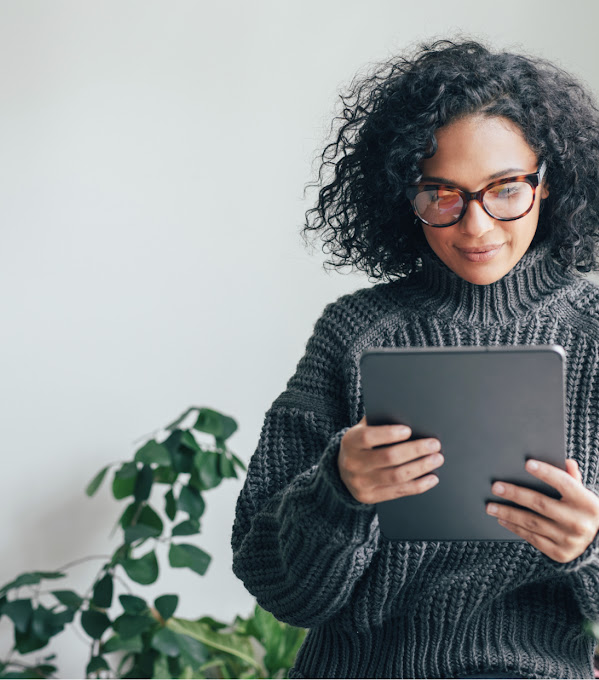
[(492, 509), (532, 465), (498, 488)]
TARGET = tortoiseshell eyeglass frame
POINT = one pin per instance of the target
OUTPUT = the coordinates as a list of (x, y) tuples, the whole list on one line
[(534, 179)]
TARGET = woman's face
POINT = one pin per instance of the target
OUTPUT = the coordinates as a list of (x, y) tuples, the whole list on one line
[(472, 152)]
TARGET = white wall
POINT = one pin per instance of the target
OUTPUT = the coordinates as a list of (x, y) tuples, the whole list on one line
[(153, 156)]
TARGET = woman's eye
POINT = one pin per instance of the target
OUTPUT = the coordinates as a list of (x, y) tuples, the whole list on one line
[(507, 190)]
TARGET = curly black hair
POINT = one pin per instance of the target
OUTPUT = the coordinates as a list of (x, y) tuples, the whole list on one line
[(387, 126)]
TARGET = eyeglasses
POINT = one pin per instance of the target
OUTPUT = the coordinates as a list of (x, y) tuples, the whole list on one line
[(441, 205)]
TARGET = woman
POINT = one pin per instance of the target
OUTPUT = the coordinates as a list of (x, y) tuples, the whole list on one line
[(467, 181)]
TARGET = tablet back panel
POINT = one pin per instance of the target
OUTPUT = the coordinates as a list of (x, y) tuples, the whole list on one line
[(492, 408)]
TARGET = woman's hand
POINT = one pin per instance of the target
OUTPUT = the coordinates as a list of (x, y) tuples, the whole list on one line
[(375, 467), (561, 529)]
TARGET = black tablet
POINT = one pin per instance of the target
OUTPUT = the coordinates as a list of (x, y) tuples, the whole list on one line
[(492, 408)]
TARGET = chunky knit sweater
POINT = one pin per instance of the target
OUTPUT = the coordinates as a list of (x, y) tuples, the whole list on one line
[(314, 556)]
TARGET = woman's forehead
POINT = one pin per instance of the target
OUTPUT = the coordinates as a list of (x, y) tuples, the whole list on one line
[(479, 149)]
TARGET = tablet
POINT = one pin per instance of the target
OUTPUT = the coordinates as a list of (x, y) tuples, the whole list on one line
[(492, 408)]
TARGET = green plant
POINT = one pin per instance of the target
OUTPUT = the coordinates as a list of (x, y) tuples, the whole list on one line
[(146, 640)]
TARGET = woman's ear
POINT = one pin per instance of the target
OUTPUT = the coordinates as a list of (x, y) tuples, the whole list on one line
[(544, 190)]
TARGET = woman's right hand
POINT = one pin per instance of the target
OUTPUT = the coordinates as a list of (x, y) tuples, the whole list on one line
[(373, 475)]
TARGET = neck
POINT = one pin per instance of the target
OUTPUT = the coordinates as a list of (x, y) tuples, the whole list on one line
[(534, 281)]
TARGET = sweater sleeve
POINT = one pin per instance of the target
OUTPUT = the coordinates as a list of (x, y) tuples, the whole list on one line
[(582, 573), (583, 576), (300, 540)]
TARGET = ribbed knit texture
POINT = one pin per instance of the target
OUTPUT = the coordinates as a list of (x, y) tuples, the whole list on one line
[(313, 555)]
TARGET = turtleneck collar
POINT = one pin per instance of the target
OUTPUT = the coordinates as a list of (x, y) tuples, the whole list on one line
[(534, 282)]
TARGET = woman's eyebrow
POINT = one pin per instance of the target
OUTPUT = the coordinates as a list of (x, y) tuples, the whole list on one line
[(490, 178)]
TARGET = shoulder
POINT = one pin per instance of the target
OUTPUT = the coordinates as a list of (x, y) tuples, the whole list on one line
[(320, 371), (347, 317)]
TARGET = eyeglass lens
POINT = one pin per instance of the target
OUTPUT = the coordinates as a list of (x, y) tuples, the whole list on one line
[(442, 206)]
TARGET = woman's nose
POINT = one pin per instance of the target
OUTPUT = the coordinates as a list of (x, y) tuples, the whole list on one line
[(475, 220)]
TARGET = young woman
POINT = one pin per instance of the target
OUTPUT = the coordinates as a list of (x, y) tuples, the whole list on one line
[(467, 181)]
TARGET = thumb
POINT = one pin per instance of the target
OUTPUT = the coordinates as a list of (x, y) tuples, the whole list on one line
[(572, 469)]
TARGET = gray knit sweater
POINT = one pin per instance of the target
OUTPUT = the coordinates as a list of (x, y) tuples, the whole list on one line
[(314, 556)]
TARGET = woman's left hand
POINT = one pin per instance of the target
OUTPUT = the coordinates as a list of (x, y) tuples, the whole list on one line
[(561, 529)]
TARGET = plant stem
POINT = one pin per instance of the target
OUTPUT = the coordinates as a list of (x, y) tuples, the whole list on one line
[(81, 560), (122, 581)]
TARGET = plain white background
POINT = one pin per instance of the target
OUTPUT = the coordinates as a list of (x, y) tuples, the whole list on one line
[(153, 156)]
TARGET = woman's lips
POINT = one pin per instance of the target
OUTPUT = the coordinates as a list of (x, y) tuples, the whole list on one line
[(482, 255)]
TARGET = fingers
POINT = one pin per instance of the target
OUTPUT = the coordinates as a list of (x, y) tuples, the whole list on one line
[(572, 491), (382, 446), (572, 469), (366, 437), (412, 488), (560, 528), (400, 474), (378, 462)]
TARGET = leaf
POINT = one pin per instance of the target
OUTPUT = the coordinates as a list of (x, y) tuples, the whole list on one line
[(161, 669), (181, 418), (68, 598), (28, 642), (128, 515), (165, 641), (185, 555), (30, 578), (192, 652), (215, 423), (174, 667), (132, 604), (187, 528), (238, 462), (189, 440), (129, 625), (20, 611), (123, 484), (148, 525), (143, 484), (143, 570), (94, 485), (226, 467), (170, 505), (280, 641), (165, 474), (191, 502), (45, 623), (148, 522), (117, 644), (153, 452), (236, 645), (94, 623), (102, 597), (181, 456), (166, 605), (206, 463), (96, 663), (65, 616), (213, 624)]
